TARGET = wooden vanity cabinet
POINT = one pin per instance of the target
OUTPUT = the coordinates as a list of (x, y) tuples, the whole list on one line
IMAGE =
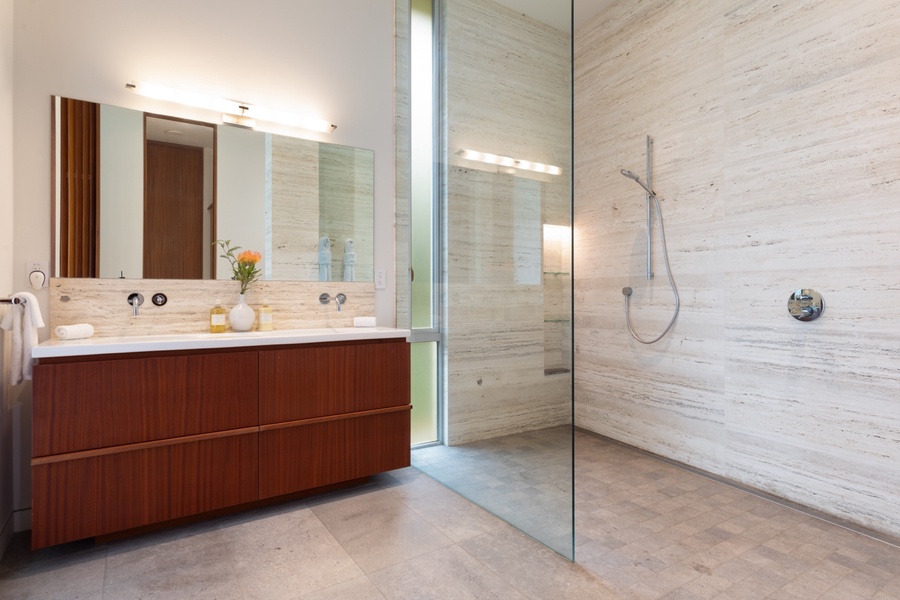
[(86, 404), (126, 441), (332, 413), (131, 440), (102, 493)]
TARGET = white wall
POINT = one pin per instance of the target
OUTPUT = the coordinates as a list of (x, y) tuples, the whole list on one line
[(121, 193), (241, 173), (6, 263), (777, 142), (335, 58)]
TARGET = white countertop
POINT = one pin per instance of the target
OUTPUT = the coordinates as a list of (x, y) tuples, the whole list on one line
[(197, 341)]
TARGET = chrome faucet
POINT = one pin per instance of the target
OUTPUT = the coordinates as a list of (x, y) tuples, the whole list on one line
[(338, 299), (135, 300)]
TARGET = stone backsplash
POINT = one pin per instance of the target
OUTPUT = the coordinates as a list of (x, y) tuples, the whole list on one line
[(104, 304)]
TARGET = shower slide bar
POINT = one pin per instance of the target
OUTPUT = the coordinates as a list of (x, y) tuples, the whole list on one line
[(651, 200)]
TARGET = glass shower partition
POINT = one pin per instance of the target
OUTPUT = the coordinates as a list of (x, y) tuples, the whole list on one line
[(505, 196)]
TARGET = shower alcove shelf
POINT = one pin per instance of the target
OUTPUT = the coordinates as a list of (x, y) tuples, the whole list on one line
[(556, 284), (127, 440), (557, 323)]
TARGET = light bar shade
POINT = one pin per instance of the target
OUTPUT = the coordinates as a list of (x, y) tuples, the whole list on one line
[(289, 119), (230, 107), (167, 94)]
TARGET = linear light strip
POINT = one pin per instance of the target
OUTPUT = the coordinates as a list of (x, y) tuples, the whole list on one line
[(236, 110), (507, 161)]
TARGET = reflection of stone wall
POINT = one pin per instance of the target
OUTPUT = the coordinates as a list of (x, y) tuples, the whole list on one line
[(346, 205), (320, 190), (508, 93), (557, 279), (295, 209), (496, 315)]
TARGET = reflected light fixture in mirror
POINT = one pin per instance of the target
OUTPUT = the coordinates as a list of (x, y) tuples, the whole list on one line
[(506, 161), (233, 112)]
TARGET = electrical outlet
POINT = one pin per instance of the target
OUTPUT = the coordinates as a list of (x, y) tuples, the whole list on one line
[(379, 280), (38, 265)]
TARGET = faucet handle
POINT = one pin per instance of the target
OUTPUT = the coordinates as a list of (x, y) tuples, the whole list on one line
[(339, 299), (135, 300)]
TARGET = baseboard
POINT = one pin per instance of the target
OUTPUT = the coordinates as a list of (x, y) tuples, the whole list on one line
[(21, 520), (6, 534)]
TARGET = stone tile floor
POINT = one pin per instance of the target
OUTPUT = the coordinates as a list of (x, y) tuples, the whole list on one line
[(646, 529), (525, 479)]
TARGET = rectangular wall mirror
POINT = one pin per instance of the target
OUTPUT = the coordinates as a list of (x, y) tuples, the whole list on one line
[(145, 196)]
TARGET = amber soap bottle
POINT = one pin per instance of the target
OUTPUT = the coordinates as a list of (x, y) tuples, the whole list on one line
[(217, 318)]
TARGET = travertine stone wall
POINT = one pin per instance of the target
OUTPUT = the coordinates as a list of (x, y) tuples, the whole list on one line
[(508, 93), (402, 181), (319, 190), (295, 208), (104, 304), (777, 136), (346, 208)]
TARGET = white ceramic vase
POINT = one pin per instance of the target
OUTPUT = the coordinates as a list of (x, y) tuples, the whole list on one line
[(241, 316)]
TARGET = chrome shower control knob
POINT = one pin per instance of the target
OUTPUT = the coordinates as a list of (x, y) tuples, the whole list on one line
[(806, 304)]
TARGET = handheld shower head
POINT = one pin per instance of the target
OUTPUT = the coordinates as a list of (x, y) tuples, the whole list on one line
[(632, 175)]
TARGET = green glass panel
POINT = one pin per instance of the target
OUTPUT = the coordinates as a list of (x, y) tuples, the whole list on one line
[(423, 391)]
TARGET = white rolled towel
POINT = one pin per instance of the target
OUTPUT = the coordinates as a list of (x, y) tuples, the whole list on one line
[(75, 332), (364, 321)]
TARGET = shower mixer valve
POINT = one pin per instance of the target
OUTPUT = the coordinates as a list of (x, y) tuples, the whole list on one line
[(806, 304)]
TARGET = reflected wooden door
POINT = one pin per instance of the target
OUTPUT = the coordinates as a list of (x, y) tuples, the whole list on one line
[(79, 192), (173, 212)]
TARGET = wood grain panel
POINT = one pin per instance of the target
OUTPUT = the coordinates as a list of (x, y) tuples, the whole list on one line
[(95, 404), (313, 381), (173, 212), (83, 498), (79, 190), (308, 456), (202, 437), (64, 502)]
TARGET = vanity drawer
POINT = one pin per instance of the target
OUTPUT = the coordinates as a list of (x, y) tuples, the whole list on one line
[(320, 380), (82, 405), (107, 491), (303, 456)]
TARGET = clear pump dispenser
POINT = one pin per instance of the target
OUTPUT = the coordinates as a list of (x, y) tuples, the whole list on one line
[(265, 317)]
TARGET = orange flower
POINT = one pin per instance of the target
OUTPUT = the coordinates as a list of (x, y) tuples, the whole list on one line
[(244, 266), (249, 257)]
